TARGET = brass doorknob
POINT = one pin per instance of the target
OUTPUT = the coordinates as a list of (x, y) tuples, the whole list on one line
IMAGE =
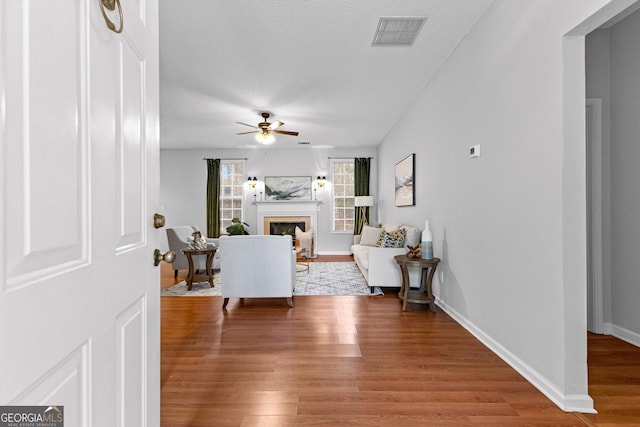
[(167, 257)]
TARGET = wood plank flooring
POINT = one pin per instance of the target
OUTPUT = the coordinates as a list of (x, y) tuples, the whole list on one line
[(614, 381), (359, 361)]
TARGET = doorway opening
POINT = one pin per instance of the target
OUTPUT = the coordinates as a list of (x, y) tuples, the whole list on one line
[(611, 160)]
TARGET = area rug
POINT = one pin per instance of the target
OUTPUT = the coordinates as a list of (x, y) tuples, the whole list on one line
[(323, 278)]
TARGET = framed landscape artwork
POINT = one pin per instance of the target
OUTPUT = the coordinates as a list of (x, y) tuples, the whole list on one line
[(404, 185), (287, 187)]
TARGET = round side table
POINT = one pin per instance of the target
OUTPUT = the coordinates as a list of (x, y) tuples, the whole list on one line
[(428, 269)]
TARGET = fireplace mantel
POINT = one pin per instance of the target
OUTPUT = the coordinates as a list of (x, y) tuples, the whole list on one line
[(289, 208)]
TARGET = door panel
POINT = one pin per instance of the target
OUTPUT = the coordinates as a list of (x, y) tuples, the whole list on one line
[(64, 383), (42, 242), (130, 372), (79, 295), (131, 149)]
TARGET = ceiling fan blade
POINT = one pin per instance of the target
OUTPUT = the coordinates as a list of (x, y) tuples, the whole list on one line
[(286, 132), (246, 133), (276, 125), (246, 124)]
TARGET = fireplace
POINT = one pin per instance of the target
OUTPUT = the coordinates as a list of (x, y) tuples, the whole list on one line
[(280, 228), (279, 225), (290, 214)]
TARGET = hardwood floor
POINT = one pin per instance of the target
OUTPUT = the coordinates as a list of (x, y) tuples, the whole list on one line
[(359, 361), (614, 381)]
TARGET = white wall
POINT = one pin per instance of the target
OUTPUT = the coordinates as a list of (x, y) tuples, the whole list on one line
[(183, 177), (625, 176), (509, 226)]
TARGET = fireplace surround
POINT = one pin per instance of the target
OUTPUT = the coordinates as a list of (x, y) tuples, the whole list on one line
[(285, 224), (288, 214)]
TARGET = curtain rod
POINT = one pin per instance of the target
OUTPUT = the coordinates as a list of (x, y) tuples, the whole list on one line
[(346, 158), (226, 158)]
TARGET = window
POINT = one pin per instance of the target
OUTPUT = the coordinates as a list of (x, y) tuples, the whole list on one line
[(343, 195), (231, 180)]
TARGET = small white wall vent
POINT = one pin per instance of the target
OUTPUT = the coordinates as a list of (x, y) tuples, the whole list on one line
[(398, 31)]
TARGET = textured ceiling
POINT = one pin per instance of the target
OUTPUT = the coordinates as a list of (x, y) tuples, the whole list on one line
[(309, 63)]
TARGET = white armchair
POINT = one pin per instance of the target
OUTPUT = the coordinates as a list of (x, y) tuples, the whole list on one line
[(257, 266)]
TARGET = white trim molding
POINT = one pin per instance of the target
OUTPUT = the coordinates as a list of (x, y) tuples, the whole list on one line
[(595, 311), (566, 402), (622, 333)]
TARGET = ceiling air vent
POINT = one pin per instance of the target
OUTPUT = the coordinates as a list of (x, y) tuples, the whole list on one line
[(398, 31)]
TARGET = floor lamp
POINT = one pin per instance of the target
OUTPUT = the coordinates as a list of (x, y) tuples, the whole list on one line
[(363, 202)]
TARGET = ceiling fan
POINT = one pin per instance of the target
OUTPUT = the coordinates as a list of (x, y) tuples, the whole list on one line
[(265, 130)]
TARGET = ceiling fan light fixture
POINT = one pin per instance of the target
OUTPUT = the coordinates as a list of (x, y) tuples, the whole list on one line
[(265, 138), (264, 131)]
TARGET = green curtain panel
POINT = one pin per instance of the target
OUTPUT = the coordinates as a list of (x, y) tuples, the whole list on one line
[(213, 197), (361, 172)]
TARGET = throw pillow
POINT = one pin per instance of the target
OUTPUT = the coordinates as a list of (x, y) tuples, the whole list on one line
[(305, 239), (390, 228), (411, 235), (303, 235), (369, 236), (395, 239)]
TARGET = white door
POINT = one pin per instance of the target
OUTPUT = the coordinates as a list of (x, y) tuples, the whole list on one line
[(79, 296)]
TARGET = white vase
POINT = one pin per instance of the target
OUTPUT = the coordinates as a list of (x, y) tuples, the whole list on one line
[(427, 242)]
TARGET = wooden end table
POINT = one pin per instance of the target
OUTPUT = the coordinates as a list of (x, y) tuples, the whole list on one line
[(189, 253), (428, 269)]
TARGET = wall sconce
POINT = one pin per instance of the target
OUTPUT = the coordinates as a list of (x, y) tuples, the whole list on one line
[(321, 181), (253, 183)]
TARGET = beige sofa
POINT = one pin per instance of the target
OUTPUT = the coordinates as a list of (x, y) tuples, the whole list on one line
[(377, 264)]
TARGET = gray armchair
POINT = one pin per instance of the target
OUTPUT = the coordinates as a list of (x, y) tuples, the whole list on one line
[(179, 238)]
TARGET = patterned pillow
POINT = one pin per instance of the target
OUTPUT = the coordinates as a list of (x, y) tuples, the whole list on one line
[(395, 239)]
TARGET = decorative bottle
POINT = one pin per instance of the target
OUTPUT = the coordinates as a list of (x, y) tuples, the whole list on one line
[(427, 242)]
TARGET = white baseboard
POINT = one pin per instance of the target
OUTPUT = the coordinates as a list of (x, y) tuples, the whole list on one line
[(568, 403), (622, 333)]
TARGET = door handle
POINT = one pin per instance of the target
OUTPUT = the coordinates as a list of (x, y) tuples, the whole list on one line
[(167, 257)]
